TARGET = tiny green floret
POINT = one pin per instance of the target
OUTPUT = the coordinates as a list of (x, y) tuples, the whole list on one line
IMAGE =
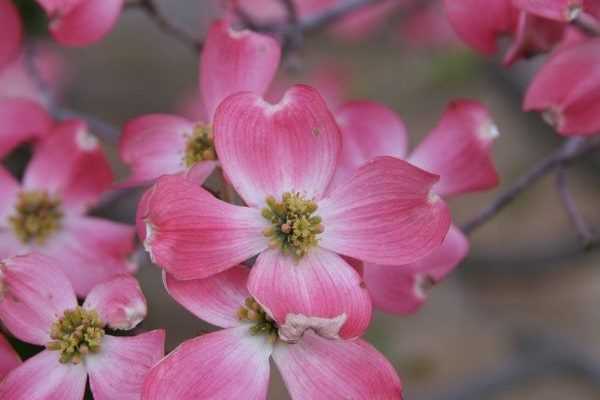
[(37, 216), (294, 227), (78, 332), (199, 146), (262, 324)]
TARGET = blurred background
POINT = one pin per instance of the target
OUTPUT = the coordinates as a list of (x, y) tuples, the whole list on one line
[(519, 319)]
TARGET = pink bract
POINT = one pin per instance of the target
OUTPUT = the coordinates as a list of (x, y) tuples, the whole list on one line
[(458, 149), (567, 89), (81, 22), (21, 120), (67, 174), (534, 26), (383, 214), (9, 359), (10, 32), (234, 363), (35, 295), (232, 61)]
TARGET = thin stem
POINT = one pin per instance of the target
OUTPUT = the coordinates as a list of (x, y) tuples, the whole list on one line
[(575, 216), (152, 10), (588, 24), (571, 150)]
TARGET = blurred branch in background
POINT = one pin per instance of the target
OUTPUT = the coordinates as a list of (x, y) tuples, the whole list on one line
[(571, 151), (583, 231), (536, 355)]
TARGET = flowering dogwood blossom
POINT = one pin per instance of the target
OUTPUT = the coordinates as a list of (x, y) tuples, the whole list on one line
[(81, 22), (233, 363), (458, 149), (232, 61), (281, 158), (38, 305), (10, 32), (9, 359), (46, 211), (567, 89), (535, 26)]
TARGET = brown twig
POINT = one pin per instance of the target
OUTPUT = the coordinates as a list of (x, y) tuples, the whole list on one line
[(164, 24), (572, 150), (575, 216)]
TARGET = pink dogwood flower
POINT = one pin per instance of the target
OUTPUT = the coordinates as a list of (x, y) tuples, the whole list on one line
[(81, 22), (280, 158), (46, 211), (9, 359), (567, 89), (458, 149), (38, 305), (21, 120), (233, 363), (534, 26), (160, 144), (11, 32)]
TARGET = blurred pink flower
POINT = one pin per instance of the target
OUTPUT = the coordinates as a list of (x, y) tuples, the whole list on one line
[(10, 32), (46, 212), (567, 89), (458, 150), (9, 359), (21, 120), (81, 22), (233, 363), (281, 158), (534, 26), (159, 144), (38, 305)]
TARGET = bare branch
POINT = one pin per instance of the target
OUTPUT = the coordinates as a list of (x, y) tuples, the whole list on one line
[(570, 151), (588, 24), (164, 24), (575, 216)]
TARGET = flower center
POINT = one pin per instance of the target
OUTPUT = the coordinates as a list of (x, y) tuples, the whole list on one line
[(262, 324), (37, 216), (294, 227), (76, 334), (199, 146)]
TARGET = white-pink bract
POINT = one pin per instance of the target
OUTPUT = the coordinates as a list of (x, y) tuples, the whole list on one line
[(46, 212), (458, 149), (385, 214), (81, 22), (35, 296), (232, 61), (233, 363)]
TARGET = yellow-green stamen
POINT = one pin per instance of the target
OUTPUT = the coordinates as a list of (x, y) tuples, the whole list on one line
[(38, 215), (262, 324), (199, 146), (294, 227), (76, 334)]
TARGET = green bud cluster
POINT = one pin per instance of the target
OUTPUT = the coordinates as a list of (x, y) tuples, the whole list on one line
[(37, 216), (199, 146), (294, 227), (262, 324), (76, 334)]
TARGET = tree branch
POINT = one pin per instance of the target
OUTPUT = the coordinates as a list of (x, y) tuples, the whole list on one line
[(575, 216), (571, 150), (164, 24)]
